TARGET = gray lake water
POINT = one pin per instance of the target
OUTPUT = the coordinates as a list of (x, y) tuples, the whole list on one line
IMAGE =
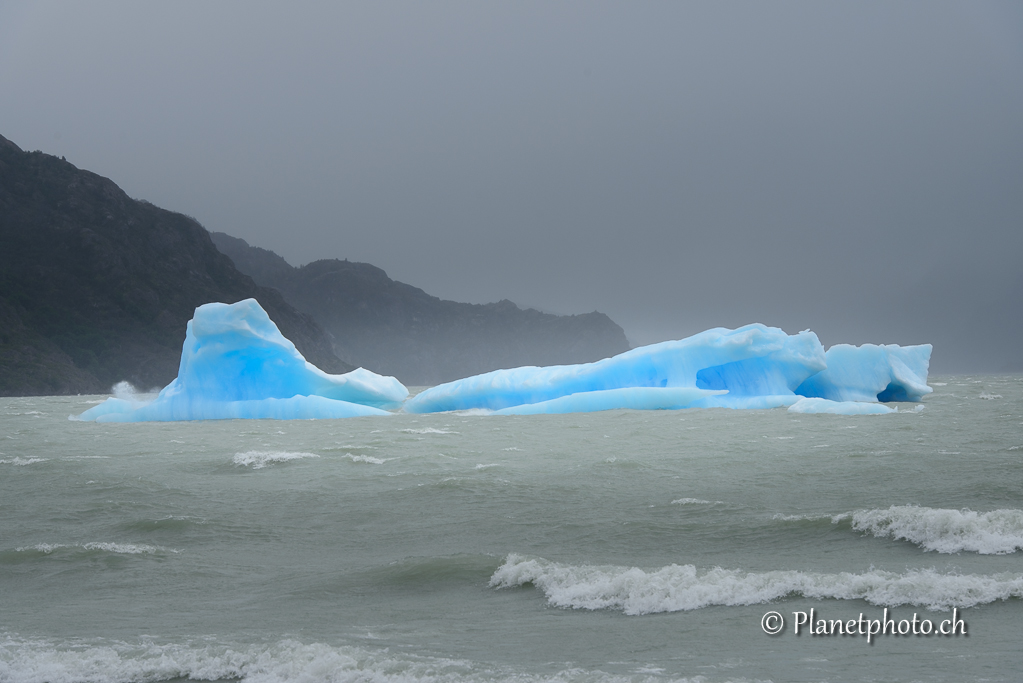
[(617, 546)]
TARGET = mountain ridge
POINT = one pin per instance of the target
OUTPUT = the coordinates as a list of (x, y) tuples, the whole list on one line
[(97, 287), (397, 329)]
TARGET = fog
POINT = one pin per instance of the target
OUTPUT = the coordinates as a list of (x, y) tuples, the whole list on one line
[(852, 168)]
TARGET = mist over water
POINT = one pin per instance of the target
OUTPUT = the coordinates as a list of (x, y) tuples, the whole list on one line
[(626, 545)]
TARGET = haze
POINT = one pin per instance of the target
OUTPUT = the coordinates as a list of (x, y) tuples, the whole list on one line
[(855, 168)]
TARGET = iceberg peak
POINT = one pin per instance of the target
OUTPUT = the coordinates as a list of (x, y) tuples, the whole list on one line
[(235, 363)]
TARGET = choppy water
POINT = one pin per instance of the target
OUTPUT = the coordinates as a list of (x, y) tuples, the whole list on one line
[(600, 547)]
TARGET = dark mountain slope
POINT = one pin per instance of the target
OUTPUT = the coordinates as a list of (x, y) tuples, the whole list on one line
[(96, 287), (396, 329)]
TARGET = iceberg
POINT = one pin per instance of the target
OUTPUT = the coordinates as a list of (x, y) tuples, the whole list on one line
[(750, 367), (631, 398), (871, 372), (235, 363)]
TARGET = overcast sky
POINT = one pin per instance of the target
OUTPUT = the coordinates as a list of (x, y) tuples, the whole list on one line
[(853, 168)]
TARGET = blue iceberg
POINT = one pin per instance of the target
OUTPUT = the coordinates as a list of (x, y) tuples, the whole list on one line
[(631, 398), (750, 367), (758, 367), (871, 373), (235, 363)]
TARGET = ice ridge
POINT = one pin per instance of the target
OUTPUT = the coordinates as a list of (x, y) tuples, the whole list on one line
[(754, 366)]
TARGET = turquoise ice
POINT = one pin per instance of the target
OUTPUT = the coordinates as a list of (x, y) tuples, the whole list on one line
[(235, 363), (871, 373), (750, 367)]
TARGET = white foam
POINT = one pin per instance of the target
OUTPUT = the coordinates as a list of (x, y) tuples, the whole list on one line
[(694, 501), (484, 467), (803, 518), (260, 459), (683, 587), (367, 458), (942, 530), (22, 461), (989, 397), (118, 548), (127, 392), (428, 430), (43, 661)]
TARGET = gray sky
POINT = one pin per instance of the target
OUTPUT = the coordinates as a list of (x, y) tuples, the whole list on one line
[(852, 168)]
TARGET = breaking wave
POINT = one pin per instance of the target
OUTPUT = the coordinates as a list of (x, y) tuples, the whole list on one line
[(367, 459), (260, 459), (116, 548), (22, 461), (678, 588), (428, 430), (945, 531), (41, 661)]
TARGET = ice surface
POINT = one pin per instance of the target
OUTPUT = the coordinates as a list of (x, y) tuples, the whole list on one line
[(751, 367), (633, 398), (823, 405), (871, 373), (235, 363), (758, 366)]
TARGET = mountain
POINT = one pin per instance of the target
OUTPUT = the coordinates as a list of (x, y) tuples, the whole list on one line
[(96, 287), (396, 329)]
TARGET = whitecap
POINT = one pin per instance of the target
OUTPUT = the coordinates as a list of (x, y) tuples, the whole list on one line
[(22, 461), (428, 430), (367, 458), (695, 501), (260, 459), (116, 548), (989, 397), (803, 518), (115, 661), (942, 530), (677, 588)]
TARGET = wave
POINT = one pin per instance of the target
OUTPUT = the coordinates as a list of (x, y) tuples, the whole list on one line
[(42, 661), (260, 459), (945, 531), (367, 459), (695, 501), (678, 588), (116, 548), (428, 430), (22, 461)]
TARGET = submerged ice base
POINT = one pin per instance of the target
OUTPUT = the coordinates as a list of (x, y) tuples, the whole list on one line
[(750, 367), (235, 363), (822, 405)]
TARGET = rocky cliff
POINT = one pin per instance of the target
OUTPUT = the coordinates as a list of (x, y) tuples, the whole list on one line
[(96, 287)]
